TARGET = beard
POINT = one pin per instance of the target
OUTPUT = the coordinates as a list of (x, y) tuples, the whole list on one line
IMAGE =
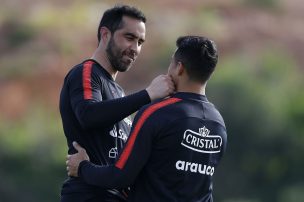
[(115, 55)]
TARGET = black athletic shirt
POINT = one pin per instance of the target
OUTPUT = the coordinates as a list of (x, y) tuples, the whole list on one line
[(94, 113), (172, 152)]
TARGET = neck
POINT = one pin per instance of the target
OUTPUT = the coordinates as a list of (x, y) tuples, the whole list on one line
[(191, 87), (101, 57)]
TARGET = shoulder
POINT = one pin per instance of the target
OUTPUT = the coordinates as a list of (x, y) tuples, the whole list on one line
[(212, 112), (157, 108), (88, 69), (76, 69), (74, 73)]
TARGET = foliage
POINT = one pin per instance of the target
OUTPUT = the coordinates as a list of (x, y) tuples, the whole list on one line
[(32, 157), (260, 92), (263, 3), (265, 135)]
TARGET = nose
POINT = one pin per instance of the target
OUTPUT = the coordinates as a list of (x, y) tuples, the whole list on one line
[(135, 47)]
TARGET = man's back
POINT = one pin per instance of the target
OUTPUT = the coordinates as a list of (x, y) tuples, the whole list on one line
[(189, 139)]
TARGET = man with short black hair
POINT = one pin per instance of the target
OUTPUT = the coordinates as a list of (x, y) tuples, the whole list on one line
[(93, 106), (175, 143)]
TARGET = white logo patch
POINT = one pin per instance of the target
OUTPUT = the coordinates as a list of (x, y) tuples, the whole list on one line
[(113, 132), (113, 153), (121, 134), (194, 167), (128, 121), (202, 141)]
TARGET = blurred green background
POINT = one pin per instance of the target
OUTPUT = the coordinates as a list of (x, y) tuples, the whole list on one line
[(258, 87)]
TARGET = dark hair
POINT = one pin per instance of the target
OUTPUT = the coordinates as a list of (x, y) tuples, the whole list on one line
[(112, 17), (198, 55)]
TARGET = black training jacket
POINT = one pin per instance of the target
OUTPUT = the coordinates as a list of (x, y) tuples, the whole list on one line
[(94, 112), (172, 152)]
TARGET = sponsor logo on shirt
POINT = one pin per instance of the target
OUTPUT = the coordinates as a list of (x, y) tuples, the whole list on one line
[(128, 121), (113, 132), (194, 167), (202, 141), (113, 152), (121, 134)]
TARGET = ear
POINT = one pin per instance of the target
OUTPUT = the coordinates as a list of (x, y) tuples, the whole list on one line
[(105, 35), (180, 68)]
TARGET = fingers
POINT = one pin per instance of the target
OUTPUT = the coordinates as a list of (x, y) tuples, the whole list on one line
[(77, 146), (70, 168), (69, 172), (67, 163), (161, 87), (169, 84), (67, 166)]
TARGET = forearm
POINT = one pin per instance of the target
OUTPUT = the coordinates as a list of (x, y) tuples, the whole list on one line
[(131, 160), (103, 176), (110, 111)]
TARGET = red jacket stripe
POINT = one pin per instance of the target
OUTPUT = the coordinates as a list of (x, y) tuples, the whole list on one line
[(145, 115), (86, 80)]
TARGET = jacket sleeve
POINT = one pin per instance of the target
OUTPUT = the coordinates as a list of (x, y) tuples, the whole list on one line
[(130, 162), (85, 89)]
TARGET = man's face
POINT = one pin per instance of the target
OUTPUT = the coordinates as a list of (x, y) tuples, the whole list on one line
[(125, 44)]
